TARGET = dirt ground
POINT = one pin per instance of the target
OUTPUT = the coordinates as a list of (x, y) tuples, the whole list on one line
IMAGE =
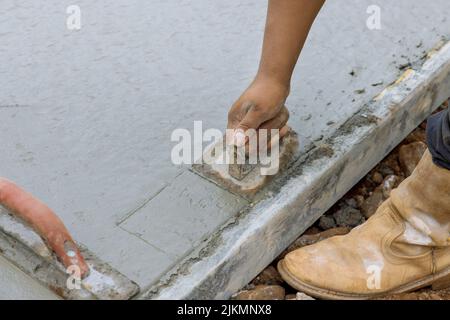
[(354, 208)]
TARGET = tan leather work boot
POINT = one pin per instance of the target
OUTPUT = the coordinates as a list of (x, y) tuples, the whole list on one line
[(404, 246)]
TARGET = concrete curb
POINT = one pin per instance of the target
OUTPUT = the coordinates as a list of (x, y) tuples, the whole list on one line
[(251, 240)]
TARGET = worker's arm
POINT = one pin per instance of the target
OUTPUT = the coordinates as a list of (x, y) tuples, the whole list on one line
[(262, 104)]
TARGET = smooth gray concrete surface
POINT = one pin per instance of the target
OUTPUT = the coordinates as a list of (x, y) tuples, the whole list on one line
[(16, 285), (87, 115), (179, 231)]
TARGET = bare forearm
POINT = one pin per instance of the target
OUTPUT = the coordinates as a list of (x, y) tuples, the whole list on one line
[(287, 27), (262, 105)]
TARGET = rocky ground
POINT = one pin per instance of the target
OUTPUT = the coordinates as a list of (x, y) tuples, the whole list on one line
[(354, 208)]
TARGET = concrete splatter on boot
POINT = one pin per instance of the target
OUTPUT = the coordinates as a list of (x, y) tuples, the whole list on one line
[(404, 246)]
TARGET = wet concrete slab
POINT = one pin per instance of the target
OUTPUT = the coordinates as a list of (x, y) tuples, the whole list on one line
[(87, 115), (162, 224)]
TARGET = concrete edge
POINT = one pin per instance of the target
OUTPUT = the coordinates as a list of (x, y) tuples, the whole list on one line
[(257, 235), (26, 250)]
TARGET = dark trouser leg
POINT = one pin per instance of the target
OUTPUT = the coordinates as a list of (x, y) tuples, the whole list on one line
[(438, 138)]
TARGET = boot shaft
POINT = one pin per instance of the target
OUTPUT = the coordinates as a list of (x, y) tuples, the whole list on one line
[(423, 200)]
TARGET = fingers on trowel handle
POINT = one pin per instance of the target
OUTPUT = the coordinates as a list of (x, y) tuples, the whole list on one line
[(45, 222), (69, 254)]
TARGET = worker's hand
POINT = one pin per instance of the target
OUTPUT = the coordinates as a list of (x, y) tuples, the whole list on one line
[(45, 222), (261, 106)]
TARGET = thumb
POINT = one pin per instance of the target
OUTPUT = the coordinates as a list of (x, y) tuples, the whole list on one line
[(252, 120)]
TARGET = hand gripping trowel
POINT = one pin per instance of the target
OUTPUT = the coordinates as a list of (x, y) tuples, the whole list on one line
[(246, 170)]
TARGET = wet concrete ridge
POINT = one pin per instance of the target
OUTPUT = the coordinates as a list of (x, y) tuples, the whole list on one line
[(87, 117)]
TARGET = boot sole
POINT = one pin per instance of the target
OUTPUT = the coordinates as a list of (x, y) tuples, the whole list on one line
[(438, 281)]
